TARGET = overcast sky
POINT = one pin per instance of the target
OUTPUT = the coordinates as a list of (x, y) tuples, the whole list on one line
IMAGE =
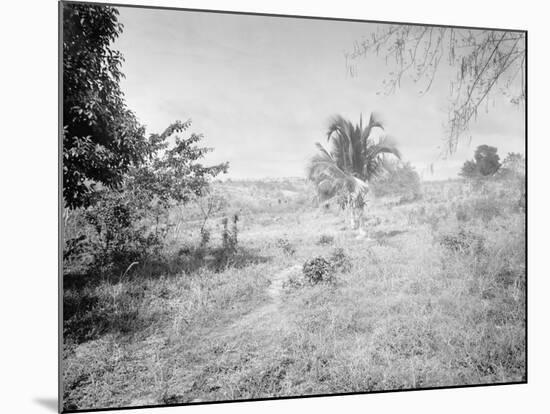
[(263, 89)]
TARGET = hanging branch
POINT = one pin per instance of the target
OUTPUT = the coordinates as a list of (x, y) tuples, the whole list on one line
[(481, 58)]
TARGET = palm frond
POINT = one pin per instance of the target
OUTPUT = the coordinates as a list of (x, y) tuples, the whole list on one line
[(354, 157), (386, 145), (323, 151), (375, 121)]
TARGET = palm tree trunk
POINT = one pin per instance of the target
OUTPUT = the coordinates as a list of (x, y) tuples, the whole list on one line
[(361, 221), (352, 220)]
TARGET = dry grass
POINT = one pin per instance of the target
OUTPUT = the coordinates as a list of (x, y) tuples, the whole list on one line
[(433, 298)]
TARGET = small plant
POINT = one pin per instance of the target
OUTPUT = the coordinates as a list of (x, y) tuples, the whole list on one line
[(205, 237), (325, 239), (340, 260), (295, 281), (230, 237), (229, 243), (318, 270), (77, 255), (121, 233), (286, 246), (462, 213), (463, 242), (235, 230)]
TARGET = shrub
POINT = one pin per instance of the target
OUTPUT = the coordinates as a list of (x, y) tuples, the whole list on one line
[(401, 180), (463, 241), (122, 233), (339, 260), (318, 270), (325, 239), (129, 221), (77, 256)]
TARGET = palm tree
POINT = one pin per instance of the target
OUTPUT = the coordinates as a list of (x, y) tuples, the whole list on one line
[(354, 160)]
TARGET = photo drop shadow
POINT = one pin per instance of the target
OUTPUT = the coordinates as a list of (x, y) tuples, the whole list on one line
[(49, 403)]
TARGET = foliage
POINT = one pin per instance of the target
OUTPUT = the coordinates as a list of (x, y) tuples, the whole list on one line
[(401, 179), (355, 159), (484, 208), (463, 241), (340, 260), (484, 61), (287, 247), (325, 239), (469, 170), (230, 237), (318, 270), (102, 138), (486, 162), (210, 204), (513, 165), (173, 173), (205, 236), (122, 234), (131, 223)]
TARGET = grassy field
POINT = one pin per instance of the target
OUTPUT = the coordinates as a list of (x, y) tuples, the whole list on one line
[(433, 296)]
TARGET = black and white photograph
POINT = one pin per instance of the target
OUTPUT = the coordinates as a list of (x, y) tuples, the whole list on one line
[(262, 206)]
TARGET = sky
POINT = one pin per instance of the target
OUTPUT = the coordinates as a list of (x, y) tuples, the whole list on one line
[(262, 90)]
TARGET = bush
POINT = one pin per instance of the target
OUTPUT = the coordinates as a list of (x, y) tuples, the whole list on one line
[(129, 221), (318, 270), (339, 260), (122, 234), (402, 180), (463, 241), (325, 239), (77, 256)]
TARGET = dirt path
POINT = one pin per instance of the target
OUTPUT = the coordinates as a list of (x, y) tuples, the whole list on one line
[(262, 317), (257, 326), (278, 280)]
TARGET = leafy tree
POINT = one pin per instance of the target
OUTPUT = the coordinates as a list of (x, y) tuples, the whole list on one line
[(484, 61), (487, 159), (131, 222), (101, 136), (174, 174), (355, 158), (401, 179), (486, 163)]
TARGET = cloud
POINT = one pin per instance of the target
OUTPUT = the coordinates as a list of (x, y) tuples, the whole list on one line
[(262, 90)]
